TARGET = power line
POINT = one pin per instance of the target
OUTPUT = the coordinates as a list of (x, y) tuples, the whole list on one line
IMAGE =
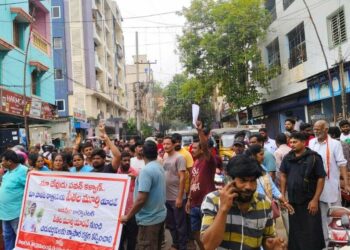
[(151, 15)]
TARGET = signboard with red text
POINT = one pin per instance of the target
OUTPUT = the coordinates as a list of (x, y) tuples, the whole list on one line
[(66, 211)]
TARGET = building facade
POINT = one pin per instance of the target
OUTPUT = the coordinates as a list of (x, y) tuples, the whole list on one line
[(26, 67), (301, 90), (92, 65)]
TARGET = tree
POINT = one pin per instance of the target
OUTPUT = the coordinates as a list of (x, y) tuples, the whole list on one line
[(219, 48), (146, 130), (131, 129), (179, 96)]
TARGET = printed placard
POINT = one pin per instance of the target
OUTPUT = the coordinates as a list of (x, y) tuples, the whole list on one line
[(66, 211)]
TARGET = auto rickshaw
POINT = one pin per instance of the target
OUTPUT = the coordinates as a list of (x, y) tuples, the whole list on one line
[(226, 137)]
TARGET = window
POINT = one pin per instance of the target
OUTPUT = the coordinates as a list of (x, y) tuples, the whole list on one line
[(18, 32), (56, 12), (297, 46), (57, 42), (35, 83), (273, 53), (60, 105), (337, 28), (270, 5), (286, 3), (58, 74)]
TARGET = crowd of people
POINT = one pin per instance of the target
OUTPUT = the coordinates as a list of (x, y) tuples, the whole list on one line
[(296, 177)]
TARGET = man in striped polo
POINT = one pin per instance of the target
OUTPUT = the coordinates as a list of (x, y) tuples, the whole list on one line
[(237, 217)]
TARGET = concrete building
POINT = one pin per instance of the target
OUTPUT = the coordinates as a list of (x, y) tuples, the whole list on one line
[(301, 90), (147, 100), (26, 69), (92, 65)]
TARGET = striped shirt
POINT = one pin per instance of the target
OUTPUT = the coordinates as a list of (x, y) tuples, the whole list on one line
[(257, 223)]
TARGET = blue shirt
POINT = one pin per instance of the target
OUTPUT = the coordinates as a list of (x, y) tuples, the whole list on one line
[(269, 161), (11, 192), (151, 180), (276, 194), (44, 169), (85, 168)]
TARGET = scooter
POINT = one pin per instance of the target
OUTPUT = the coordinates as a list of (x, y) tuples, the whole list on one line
[(338, 228)]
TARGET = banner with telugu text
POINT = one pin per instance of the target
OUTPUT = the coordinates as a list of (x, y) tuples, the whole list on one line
[(66, 211)]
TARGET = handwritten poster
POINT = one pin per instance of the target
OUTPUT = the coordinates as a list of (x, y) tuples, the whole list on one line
[(64, 211)]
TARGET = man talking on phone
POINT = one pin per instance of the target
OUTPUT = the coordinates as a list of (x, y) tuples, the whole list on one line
[(237, 217)]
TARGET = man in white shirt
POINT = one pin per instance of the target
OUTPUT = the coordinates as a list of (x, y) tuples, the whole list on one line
[(334, 163), (137, 162), (345, 130), (269, 144), (29, 224)]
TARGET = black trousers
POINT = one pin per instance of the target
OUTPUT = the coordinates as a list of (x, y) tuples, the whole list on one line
[(305, 230), (129, 235)]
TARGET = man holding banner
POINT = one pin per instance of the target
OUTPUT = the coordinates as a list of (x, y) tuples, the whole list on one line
[(149, 201), (11, 195)]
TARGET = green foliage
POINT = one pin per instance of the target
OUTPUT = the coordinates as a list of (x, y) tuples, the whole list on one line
[(219, 48), (146, 130), (179, 96), (131, 128)]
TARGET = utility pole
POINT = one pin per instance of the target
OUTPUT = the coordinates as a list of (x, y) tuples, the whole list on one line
[(138, 99), (137, 87), (326, 61), (344, 105), (26, 125)]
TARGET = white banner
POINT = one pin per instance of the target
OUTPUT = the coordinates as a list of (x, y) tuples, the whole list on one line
[(63, 211)]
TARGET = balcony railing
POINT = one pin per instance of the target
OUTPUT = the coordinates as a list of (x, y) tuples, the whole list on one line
[(41, 43)]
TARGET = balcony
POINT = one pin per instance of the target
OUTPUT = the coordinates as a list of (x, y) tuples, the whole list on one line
[(98, 86), (41, 43), (98, 65), (97, 38)]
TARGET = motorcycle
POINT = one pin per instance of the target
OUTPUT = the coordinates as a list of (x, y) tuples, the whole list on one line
[(338, 228)]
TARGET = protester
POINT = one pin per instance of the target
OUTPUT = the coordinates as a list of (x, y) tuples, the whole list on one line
[(265, 184), (130, 229), (159, 138), (269, 159), (345, 131), (202, 181), (149, 201), (238, 147), (36, 162), (189, 164), (78, 164), (226, 222), (303, 176), (334, 163), (87, 149), (269, 144), (175, 169), (334, 132), (11, 195), (307, 130), (59, 162), (137, 161), (282, 150), (47, 151), (98, 156), (289, 125)]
